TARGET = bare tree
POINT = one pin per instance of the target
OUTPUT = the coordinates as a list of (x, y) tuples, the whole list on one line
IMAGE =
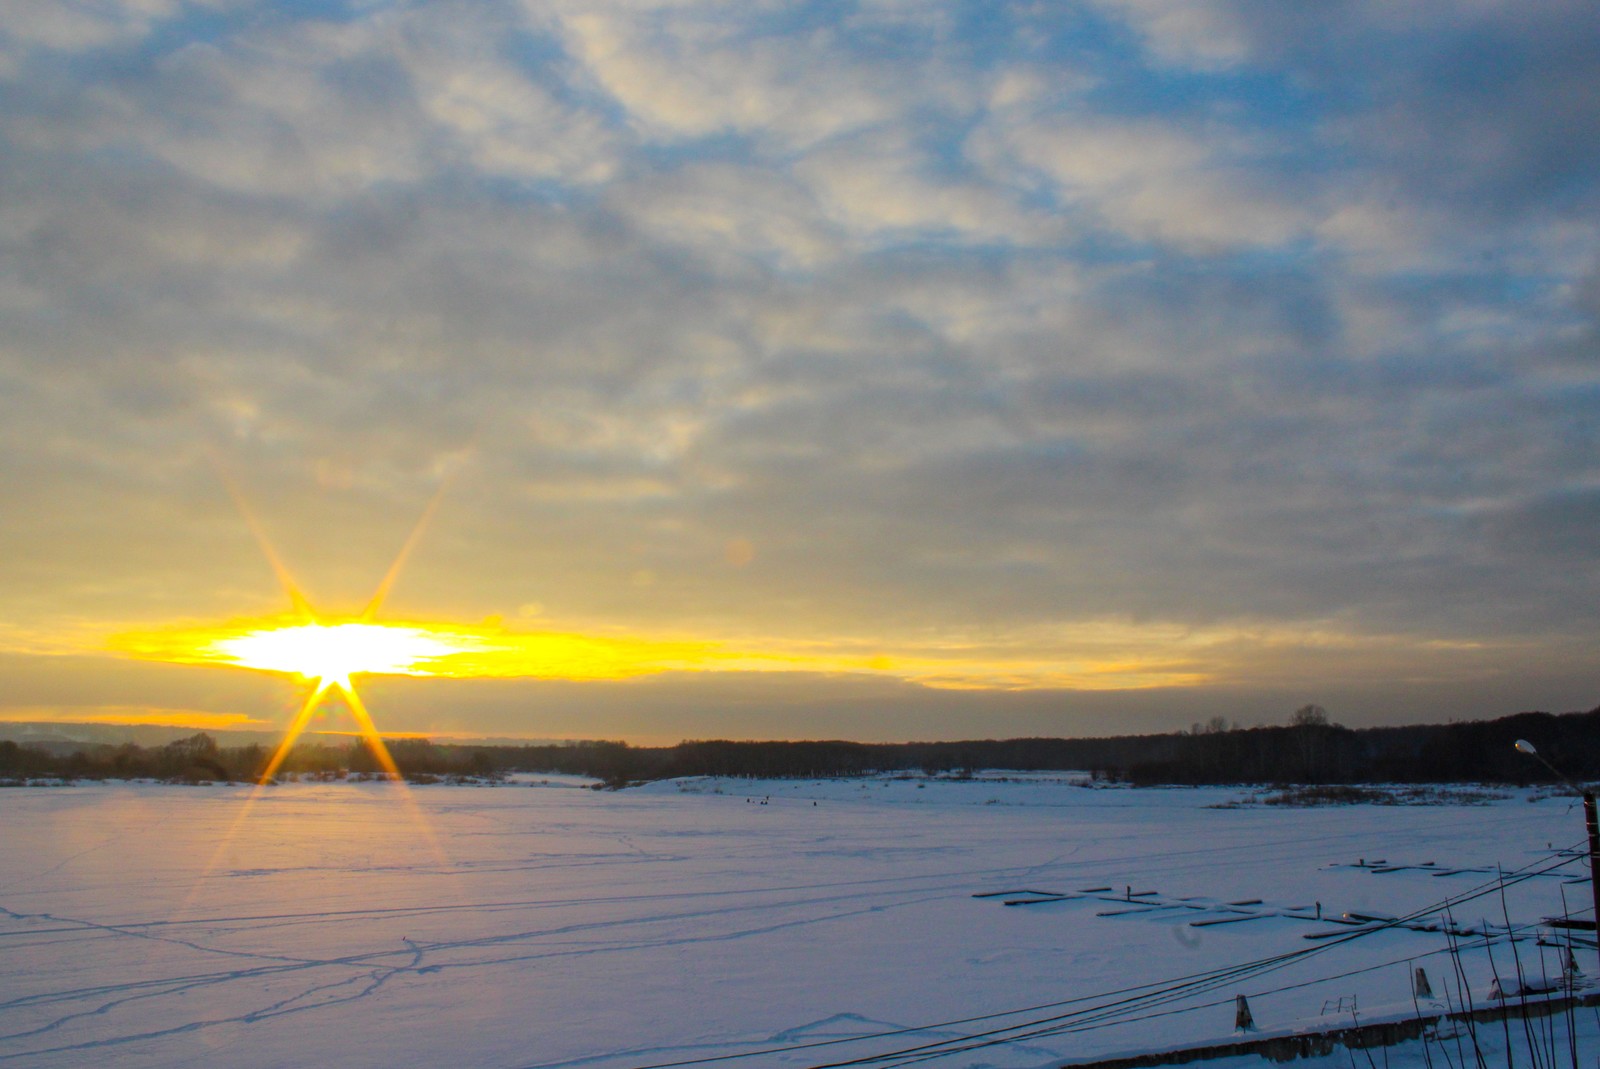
[(1309, 716)]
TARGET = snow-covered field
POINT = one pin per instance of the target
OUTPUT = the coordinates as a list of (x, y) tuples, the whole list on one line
[(539, 924)]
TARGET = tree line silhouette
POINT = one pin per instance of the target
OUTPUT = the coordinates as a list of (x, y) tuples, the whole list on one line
[(1310, 749), (199, 759)]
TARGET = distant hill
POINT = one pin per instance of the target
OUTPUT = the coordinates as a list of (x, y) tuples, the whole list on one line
[(63, 734), (54, 733), (1311, 750)]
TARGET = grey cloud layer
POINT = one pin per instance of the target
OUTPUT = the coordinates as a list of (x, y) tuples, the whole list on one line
[(961, 316)]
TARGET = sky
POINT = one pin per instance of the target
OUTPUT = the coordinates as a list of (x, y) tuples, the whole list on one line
[(875, 370)]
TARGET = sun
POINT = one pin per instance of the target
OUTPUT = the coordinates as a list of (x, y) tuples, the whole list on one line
[(331, 653), (327, 653)]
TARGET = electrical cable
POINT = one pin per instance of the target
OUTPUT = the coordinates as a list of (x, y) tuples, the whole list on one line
[(1100, 1016), (1185, 986), (1156, 993)]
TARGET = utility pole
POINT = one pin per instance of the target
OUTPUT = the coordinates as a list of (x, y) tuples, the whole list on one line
[(1590, 821)]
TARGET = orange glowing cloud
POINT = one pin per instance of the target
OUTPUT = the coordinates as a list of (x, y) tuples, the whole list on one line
[(129, 715), (335, 650)]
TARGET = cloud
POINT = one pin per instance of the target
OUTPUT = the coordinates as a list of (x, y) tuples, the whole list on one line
[(1221, 318), (1556, 526), (883, 190), (274, 113), (98, 714), (686, 71), (1148, 180), (1203, 35), (506, 122), (39, 24), (730, 215)]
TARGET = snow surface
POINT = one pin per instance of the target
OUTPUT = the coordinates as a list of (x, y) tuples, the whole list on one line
[(541, 924)]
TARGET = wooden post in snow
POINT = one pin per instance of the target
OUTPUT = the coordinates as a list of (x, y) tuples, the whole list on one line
[(1420, 987)]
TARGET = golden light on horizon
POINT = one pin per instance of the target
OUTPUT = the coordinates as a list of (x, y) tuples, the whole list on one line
[(327, 652), (336, 651)]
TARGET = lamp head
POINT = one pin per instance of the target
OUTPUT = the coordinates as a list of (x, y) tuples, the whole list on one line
[(1524, 746)]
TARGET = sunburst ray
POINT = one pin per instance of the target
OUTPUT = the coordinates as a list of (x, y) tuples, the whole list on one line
[(389, 577), (297, 598), (296, 727), (327, 675)]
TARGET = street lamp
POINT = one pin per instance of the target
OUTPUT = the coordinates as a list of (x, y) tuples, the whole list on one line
[(1589, 820)]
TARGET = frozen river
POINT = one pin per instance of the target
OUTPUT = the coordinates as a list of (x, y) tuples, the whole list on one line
[(535, 924)]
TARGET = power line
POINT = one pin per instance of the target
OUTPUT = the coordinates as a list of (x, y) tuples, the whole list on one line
[(1101, 1016), (1155, 993)]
